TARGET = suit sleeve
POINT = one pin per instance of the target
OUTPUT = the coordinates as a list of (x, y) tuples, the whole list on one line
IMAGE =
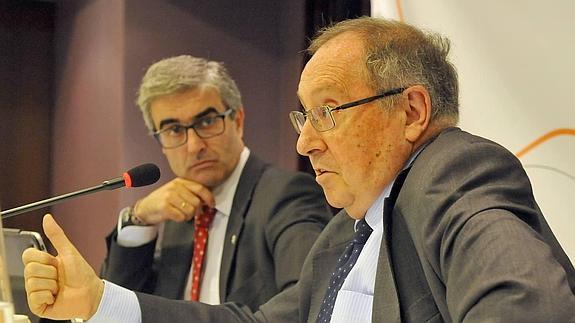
[(283, 308), (291, 305), (298, 216), (159, 309), (485, 238), (130, 267)]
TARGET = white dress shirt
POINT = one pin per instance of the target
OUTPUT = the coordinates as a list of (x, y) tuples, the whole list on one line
[(354, 300), (133, 236)]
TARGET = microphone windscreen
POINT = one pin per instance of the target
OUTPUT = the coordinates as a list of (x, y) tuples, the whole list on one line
[(142, 175)]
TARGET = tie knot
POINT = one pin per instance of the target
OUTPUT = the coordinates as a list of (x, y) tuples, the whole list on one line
[(205, 218), (363, 232)]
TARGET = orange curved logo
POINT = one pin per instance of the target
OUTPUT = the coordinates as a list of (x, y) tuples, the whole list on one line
[(399, 10), (546, 137)]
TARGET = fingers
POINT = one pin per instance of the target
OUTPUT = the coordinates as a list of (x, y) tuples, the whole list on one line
[(36, 270), (34, 255), (39, 301), (188, 190), (41, 279), (177, 200), (57, 236), (186, 206), (34, 285), (40, 271), (202, 192)]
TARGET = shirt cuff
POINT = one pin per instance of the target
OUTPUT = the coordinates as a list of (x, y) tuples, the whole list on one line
[(118, 305), (134, 235)]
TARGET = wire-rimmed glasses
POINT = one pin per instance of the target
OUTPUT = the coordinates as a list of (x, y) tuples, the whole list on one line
[(321, 118)]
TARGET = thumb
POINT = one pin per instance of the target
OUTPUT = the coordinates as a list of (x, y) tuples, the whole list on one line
[(56, 235)]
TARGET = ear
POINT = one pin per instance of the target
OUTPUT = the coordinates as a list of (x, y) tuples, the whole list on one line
[(239, 121), (418, 112)]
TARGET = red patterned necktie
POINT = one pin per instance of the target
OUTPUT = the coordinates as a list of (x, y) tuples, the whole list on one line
[(202, 223)]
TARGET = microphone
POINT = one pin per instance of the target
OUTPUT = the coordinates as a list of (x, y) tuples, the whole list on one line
[(142, 175)]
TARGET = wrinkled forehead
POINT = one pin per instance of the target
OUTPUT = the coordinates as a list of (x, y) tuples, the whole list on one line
[(337, 66)]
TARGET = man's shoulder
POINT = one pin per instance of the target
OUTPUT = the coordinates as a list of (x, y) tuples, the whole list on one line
[(454, 143), (454, 136)]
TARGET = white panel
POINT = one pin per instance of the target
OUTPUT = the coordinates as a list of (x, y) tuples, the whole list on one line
[(516, 62)]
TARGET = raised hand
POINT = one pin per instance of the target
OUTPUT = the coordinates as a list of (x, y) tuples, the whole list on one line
[(177, 200), (63, 286)]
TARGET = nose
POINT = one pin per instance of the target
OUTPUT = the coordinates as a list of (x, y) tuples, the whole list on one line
[(309, 141), (194, 143)]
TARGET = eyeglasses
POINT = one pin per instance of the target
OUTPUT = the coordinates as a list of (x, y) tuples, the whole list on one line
[(209, 126), (321, 118)]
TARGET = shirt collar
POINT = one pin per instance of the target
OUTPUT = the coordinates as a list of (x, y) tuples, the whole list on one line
[(374, 215), (225, 192)]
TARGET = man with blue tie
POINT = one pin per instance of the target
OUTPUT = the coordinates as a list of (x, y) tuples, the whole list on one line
[(438, 225)]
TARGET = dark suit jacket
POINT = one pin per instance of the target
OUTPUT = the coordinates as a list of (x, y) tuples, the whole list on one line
[(276, 217), (463, 240)]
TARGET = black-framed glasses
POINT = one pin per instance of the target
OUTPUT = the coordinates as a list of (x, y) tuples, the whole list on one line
[(321, 118), (175, 135)]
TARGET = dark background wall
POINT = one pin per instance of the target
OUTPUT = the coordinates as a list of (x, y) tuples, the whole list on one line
[(86, 127), (70, 70), (26, 101), (88, 119)]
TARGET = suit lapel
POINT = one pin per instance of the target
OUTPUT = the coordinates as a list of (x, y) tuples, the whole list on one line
[(385, 296), (385, 301), (249, 178), (325, 261)]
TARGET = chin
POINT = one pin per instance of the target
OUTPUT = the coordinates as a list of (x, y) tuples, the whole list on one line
[(208, 179), (211, 180), (345, 201), (210, 183), (337, 200)]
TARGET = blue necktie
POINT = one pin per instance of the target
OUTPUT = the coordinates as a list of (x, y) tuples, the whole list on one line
[(344, 266)]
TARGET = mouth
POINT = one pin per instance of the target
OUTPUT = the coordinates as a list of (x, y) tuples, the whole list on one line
[(320, 171), (203, 163)]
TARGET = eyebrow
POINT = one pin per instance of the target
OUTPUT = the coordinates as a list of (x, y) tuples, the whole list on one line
[(319, 89), (206, 111), (301, 106)]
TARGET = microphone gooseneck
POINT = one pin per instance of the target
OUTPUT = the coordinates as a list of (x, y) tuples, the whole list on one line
[(142, 175)]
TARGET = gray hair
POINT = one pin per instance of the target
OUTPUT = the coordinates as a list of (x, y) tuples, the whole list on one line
[(399, 55), (181, 73)]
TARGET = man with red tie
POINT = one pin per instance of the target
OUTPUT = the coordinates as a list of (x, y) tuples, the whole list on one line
[(229, 227)]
